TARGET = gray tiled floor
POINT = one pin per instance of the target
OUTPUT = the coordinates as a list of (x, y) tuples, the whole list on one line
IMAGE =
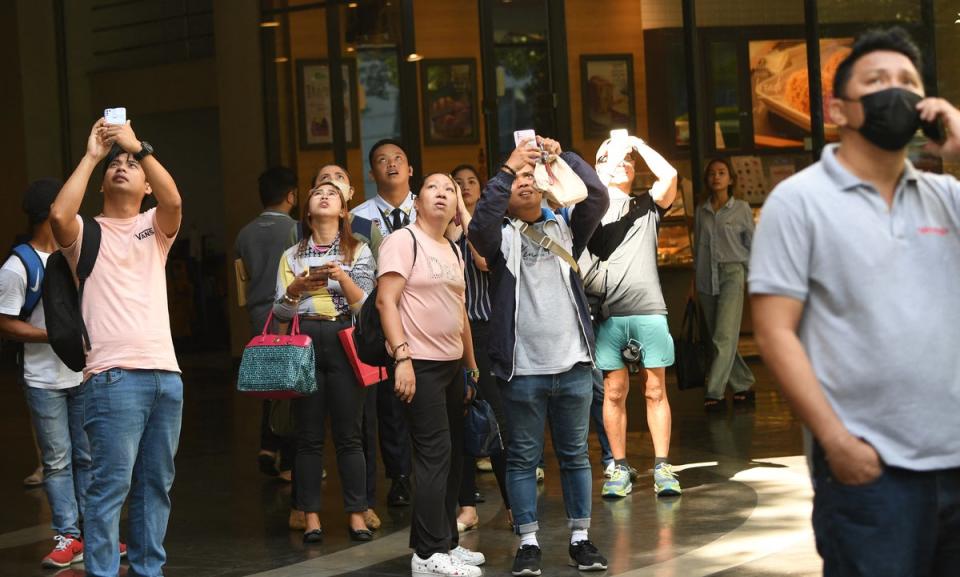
[(744, 510)]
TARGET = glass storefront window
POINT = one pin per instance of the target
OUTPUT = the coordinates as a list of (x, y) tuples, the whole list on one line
[(724, 80), (524, 93)]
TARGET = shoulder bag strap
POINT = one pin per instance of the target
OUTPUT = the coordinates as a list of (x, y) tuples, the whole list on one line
[(544, 241)]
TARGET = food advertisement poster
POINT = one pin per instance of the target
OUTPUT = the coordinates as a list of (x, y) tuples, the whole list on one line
[(781, 95), (449, 101), (607, 89)]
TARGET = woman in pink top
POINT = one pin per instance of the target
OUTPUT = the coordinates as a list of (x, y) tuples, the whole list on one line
[(421, 303)]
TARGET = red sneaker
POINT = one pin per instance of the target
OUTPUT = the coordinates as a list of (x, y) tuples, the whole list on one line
[(69, 550)]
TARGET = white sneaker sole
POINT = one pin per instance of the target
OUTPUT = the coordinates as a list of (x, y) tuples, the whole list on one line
[(594, 567), (526, 572)]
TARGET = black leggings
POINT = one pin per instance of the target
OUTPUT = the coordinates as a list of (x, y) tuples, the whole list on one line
[(435, 418), (490, 392), (340, 395)]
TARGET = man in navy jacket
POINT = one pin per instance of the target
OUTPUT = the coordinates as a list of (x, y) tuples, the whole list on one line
[(541, 340)]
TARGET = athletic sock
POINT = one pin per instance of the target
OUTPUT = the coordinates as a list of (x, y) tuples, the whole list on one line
[(578, 535), (621, 463), (658, 461), (529, 539)]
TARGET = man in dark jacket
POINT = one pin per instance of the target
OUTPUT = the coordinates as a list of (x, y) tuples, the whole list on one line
[(541, 345)]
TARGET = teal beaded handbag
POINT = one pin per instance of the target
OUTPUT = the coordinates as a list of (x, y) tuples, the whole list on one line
[(278, 366)]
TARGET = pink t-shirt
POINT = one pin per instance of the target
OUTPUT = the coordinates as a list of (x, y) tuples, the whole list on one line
[(125, 298), (432, 302)]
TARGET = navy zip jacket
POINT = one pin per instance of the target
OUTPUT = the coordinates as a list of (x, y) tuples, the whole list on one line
[(497, 240)]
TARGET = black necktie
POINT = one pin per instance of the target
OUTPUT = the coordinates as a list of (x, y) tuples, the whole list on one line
[(397, 219)]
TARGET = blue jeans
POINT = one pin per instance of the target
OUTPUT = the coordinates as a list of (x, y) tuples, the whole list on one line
[(528, 401), (58, 419), (596, 415), (904, 523), (133, 421)]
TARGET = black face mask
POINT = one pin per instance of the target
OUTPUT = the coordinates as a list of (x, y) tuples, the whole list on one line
[(890, 117)]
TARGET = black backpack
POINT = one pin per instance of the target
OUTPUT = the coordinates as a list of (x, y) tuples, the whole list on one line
[(62, 297), (368, 335)]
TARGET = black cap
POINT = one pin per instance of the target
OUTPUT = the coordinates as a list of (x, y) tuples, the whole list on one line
[(38, 197)]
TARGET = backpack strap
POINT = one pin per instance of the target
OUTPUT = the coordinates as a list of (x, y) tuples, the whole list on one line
[(89, 249), (544, 241), (34, 267), (414, 237)]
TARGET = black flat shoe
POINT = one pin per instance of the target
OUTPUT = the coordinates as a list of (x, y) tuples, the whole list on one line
[(267, 463), (743, 398), (315, 536), (360, 534)]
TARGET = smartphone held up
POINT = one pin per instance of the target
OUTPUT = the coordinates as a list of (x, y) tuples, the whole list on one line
[(115, 115)]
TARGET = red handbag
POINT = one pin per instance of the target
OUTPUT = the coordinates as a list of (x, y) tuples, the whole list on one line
[(366, 374)]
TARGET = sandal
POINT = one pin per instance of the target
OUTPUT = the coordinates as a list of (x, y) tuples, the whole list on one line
[(747, 397), (714, 405)]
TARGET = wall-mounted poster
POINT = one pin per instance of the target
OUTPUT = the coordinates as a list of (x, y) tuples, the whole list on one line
[(314, 110), (450, 101), (607, 85), (781, 89)]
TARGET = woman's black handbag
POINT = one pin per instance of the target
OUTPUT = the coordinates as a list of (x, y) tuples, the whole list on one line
[(693, 349)]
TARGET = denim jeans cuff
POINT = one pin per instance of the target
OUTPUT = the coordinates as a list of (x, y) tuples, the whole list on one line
[(575, 524), (531, 527)]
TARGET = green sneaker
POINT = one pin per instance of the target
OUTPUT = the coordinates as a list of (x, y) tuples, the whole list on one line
[(665, 483), (619, 484)]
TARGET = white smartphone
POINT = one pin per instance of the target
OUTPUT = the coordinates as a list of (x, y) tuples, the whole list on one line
[(522, 135), (115, 115), (619, 134)]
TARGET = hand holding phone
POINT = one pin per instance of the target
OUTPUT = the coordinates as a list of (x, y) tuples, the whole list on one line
[(520, 136), (115, 115)]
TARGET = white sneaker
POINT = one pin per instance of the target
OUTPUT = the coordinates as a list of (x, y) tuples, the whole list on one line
[(441, 564), (467, 556), (540, 475), (610, 468)]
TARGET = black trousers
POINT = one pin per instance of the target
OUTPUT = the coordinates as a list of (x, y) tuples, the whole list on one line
[(370, 443), (489, 391), (392, 429), (435, 417), (339, 395)]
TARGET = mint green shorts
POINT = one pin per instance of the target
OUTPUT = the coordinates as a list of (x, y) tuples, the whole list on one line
[(649, 330)]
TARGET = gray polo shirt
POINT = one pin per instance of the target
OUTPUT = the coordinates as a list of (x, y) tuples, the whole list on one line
[(881, 317), (260, 244), (721, 237)]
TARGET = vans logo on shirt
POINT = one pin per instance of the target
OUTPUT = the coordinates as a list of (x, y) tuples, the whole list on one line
[(145, 233), (937, 230)]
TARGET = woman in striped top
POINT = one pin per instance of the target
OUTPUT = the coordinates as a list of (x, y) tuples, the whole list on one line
[(478, 312), (325, 278)]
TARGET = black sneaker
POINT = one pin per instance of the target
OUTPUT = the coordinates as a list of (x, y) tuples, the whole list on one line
[(527, 561), (585, 557), (399, 495)]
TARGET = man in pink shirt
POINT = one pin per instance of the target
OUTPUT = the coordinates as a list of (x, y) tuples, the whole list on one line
[(132, 392)]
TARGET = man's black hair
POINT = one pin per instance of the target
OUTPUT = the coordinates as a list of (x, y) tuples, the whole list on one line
[(384, 142), (894, 39), (275, 183)]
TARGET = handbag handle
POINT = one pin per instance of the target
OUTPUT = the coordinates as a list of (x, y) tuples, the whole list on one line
[(294, 330)]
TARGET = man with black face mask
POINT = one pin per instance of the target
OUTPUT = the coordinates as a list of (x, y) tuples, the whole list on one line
[(853, 282)]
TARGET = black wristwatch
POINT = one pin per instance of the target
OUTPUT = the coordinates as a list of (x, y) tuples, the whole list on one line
[(146, 149)]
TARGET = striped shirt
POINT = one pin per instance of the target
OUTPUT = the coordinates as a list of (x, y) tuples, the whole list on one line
[(478, 285), (328, 301)]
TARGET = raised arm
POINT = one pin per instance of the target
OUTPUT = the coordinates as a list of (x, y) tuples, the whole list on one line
[(63, 212), (485, 228), (664, 190), (588, 213), (164, 189)]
